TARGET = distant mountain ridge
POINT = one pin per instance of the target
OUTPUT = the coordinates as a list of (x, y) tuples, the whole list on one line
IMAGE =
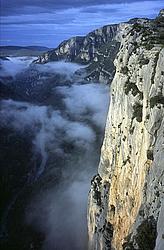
[(22, 50)]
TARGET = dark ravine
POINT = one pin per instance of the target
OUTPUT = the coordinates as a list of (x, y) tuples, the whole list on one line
[(49, 150)]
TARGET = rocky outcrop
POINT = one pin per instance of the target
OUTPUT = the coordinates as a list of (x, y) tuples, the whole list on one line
[(126, 205), (81, 49), (97, 50)]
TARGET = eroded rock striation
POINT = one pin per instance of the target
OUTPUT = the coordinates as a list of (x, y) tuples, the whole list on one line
[(126, 205), (97, 50)]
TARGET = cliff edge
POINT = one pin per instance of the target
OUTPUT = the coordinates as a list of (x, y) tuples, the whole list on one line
[(126, 205)]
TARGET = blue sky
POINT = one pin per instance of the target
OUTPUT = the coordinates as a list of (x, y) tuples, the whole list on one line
[(47, 23)]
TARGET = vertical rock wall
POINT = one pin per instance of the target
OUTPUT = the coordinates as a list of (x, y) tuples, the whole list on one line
[(125, 208)]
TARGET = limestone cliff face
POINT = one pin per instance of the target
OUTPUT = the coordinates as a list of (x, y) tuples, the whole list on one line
[(126, 205)]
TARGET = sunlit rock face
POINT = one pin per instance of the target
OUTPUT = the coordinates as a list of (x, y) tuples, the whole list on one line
[(126, 208)]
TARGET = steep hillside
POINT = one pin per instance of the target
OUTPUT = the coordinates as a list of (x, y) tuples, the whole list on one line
[(126, 205), (81, 49), (97, 50)]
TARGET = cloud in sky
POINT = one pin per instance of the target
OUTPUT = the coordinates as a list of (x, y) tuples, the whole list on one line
[(28, 6), (26, 22)]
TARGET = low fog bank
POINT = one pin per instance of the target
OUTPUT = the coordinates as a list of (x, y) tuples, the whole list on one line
[(85, 107), (68, 140), (12, 66), (60, 67)]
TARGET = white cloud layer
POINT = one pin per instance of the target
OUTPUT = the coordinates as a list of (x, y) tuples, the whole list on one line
[(71, 134)]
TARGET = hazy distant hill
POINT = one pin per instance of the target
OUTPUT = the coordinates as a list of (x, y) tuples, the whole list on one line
[(22, 51)]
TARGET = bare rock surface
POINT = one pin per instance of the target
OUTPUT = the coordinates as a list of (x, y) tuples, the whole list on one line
[(126, 209)]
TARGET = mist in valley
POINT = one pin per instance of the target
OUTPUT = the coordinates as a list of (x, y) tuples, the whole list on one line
[(65, 131)]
